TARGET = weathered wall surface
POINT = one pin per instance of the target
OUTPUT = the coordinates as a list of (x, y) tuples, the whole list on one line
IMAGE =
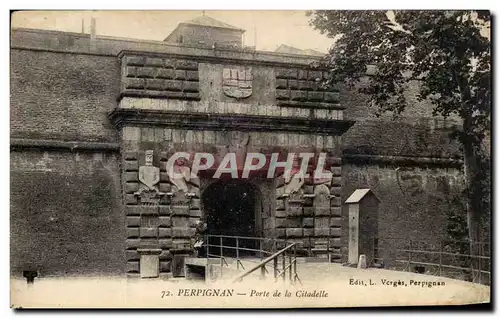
[(414, 200), (415, 133), (65, 215), (63, 96)]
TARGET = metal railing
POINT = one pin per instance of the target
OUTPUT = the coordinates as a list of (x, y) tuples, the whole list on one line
[(281, 253), (453, 259)]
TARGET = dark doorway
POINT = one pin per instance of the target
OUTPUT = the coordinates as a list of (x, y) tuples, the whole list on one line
[(232, 208)]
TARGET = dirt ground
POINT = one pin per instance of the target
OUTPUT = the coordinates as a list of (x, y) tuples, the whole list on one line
[(323, 285)]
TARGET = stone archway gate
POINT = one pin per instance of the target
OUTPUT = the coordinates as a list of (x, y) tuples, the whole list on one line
[(234, 102)]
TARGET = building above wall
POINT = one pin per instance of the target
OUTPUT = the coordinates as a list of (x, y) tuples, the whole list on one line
[(207, 32)]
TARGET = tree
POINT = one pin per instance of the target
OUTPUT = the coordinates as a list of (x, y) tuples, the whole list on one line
[(447, 52)]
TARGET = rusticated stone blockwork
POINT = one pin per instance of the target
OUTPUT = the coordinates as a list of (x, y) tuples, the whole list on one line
[(160, 77), (301, 88)]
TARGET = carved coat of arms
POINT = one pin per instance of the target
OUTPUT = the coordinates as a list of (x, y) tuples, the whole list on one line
[(237, 81)]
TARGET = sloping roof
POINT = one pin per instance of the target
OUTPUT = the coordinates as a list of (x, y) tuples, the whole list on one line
[(211, 22), (357, 195), (287, 49)]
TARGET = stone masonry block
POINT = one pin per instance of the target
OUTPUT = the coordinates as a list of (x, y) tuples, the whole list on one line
[(180, 221), (335, 221), (336, 242), (165, 73), (134, 83), (130, 71), (298, 95), (148, 232), (132, 243), (315, 96), (308, 222), (293, 84), (132, 232), (336, 181), (129, 199), (282, 94), (281, 233), (293, 222), (133, 210), (294, 232), (173, 85), (165, 266), (133, 221), (308, 232), (294, 211), (336, 171), (154, 84), (131, 165), (195, 204), (280, 204), (335, 232), (280, 213), (181, 232), (280, 222), (133, 267), (134, 60), (308, 189), (302, 75), (165, 187), (165, 210), (164, 232), (286, 73), (195, 213), (166, 243), (191, 87), (331, 97), (165, 255), (130, 155), (309, 211), (336, 211), (180, 74), (336, 191), (154, 61), (305, 86), (132, 255), (192, 76), (321, 232), (180, 210), (281, 83), (335, 201), (322, 222), (131, 176), (145, 72), (320, 211), (186, 65), (131, 187), (164, 221)]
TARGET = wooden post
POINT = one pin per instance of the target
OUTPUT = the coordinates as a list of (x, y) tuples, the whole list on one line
[(440, 257), (275, 265), (294, 263), (237, 255), (409, 257), (221, 261), (284, 266)]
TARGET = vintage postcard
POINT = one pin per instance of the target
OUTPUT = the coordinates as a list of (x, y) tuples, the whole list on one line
[(249, 159)]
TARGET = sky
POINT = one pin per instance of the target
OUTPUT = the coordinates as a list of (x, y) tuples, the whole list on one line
[(265, 29)]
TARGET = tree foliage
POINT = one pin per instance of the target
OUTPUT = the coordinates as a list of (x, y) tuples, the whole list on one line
[(447, 52)]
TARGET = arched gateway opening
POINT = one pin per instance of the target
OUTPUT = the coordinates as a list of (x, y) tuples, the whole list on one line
[(233, 208)]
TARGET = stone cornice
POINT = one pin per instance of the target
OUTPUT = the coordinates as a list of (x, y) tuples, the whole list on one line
[(22, 143), (201, 121), (402, 160)]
